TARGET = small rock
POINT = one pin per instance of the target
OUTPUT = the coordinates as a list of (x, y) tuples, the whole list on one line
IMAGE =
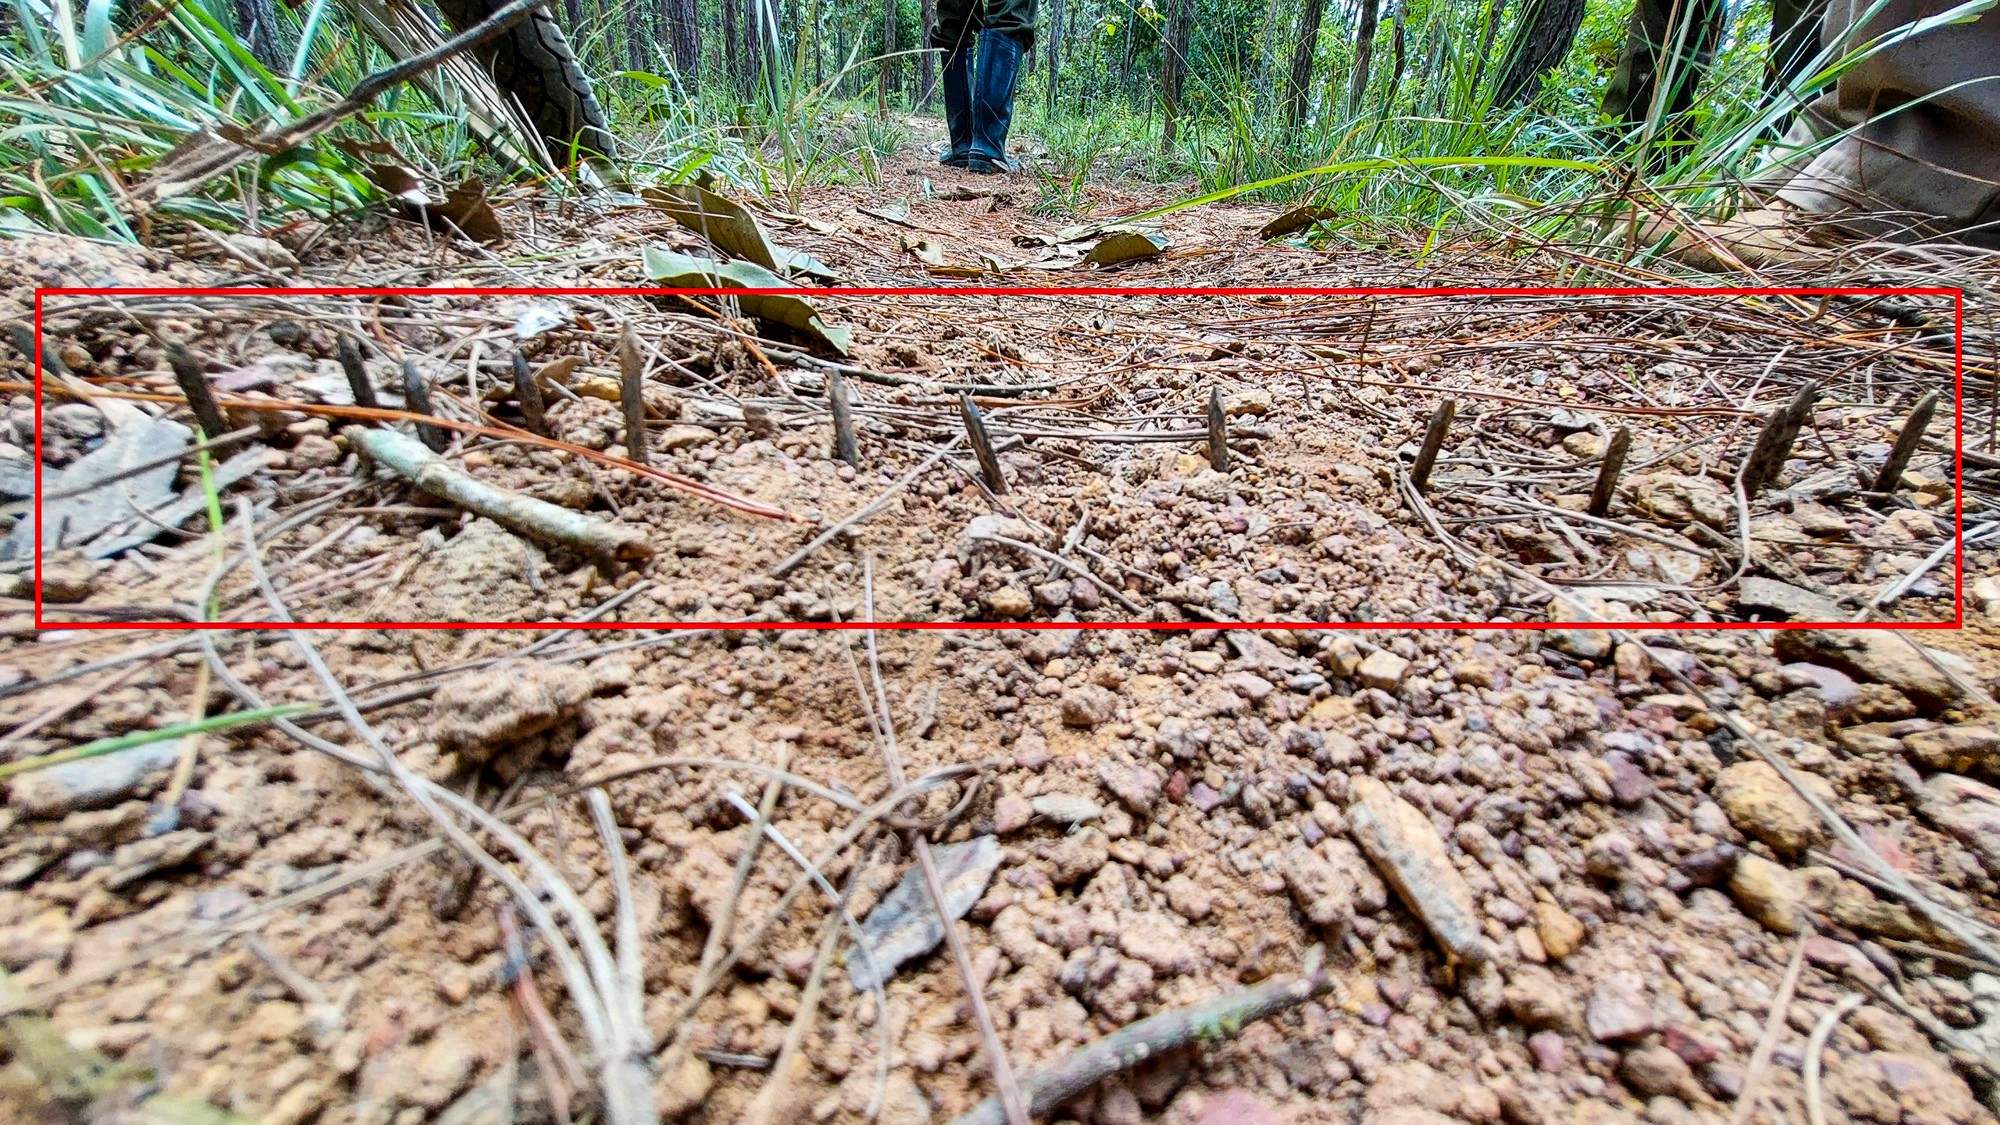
[(1249, 685), (1136, 787), (1008, 603), (1584, 644), (479, 714), (1629, 783), (1561, 934), (1768, 892), (1630, 662), (1383, 670), (1535, 998), (1964, 749), (1255, 401), (1871, 655), (1656, 1071), (1761, 805), (68, 577), (1406, 849), (1077, 856), (685, 1090), (1222, 599), (1965, 808), (1188, 899), (314, 452), (1618, 1011), (1011, 814), (1087, 706), (1317, 887), (1549, 1050)]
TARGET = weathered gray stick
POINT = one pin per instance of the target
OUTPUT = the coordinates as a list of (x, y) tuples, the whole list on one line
[(982, 446), (844, 445), (1440, 424), (525, 514), (631, 365), (1218, 432), (1774, 444), (417, 400), (1607, 473), (200, 396), (1157, 1034), (528, 393), (349, 354), (1911, 436)]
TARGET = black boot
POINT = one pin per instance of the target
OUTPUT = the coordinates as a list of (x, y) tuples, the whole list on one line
[(993, 101), (958, 106)]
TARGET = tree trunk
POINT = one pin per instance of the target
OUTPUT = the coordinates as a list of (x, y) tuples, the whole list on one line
[(927, 62), (684, 24), (1538, 46), (1364, 53), (1267, 52), (732, 46), (1398, 60), (257, 21), (1173, 66), (636, 34), (1299, 92), (1055, 47), (889, 67), (573, 10)]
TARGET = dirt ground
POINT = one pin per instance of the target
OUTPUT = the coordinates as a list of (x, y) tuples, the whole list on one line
[(1555, 875)]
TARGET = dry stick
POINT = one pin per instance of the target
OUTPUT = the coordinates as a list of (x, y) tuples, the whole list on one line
[(1157, 1034), (1009, 1095), (524, 514), (1774, 444), (1440, 424), (982, 446), (631, 366), (844, 445), (1218, 432), (528, 393), (1907, 441), (560, 1071), (194, 385), (1760, 1059), (1073, 568), (1816, 1045), (792, 562), (417, 396), (348, 351), (1607, 473)]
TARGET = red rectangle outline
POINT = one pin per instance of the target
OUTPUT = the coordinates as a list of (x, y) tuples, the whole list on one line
[(1958, 448)]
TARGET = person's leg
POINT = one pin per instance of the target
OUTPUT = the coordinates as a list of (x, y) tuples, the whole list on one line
[(1794, 40), (1674, 39), (956, 33), (1007, 34)]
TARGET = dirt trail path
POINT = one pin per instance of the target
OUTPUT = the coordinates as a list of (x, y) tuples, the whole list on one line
[(1591, 827)]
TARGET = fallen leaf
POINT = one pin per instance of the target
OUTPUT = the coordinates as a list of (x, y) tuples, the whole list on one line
[(925, 251), (539, 318), (682, 271), (466, 208), (1296, 219), (1126, 245), (558, 370), (895, 211), (733, 229)]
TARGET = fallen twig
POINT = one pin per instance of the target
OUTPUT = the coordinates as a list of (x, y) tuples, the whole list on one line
[(524, 514), (1159, 1033)]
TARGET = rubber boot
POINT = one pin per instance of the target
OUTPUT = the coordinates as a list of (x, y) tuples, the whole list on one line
[(993, 101), (958, 107)]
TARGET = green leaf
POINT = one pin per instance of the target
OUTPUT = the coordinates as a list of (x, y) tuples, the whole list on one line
[(137, 739), (684, 271), (96, 29), (1297, 219)]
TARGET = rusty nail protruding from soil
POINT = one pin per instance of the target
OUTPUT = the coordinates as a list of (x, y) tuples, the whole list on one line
[(528, 393), (982, 446), (1607, 473), (1906, 446), (1774, 445), (844, 445), (417, 400), (349, 354), (200, 397), (631, 365), (1427, 454), (1218, 432)]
